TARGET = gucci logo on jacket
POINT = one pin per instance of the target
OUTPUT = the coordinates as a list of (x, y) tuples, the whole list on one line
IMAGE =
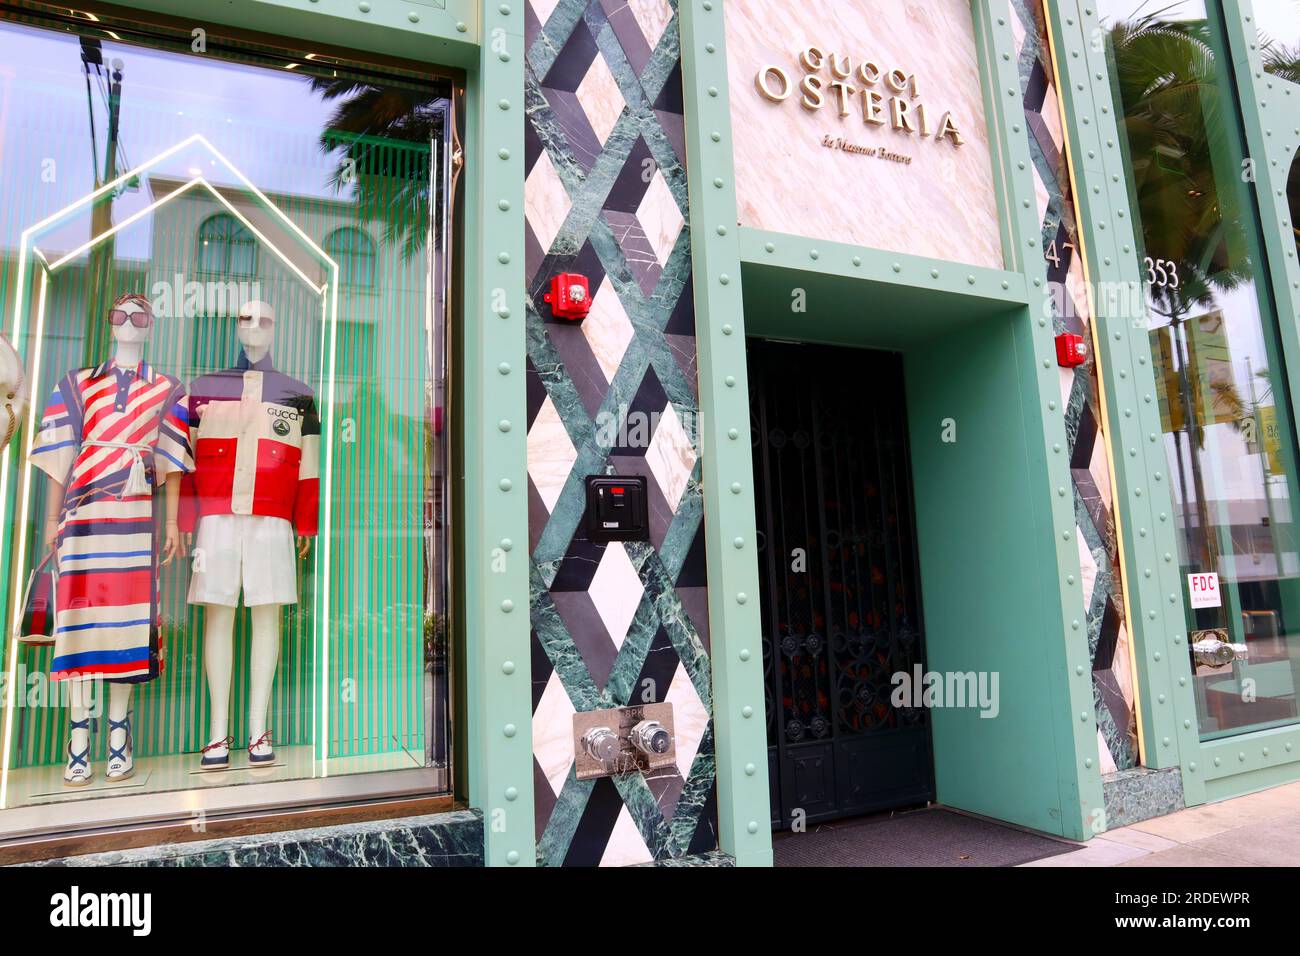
[(256, 438)]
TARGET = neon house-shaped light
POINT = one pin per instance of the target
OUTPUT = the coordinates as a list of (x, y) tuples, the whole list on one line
[(37, 266)]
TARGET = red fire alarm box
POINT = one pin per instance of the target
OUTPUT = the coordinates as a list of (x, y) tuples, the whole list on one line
[(1070, 350), (569, 298)]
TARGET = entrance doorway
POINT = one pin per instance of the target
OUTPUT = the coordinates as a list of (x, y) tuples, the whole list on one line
[(839, 581)]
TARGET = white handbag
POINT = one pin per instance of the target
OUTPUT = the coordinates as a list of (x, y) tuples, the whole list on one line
[(13, 391)]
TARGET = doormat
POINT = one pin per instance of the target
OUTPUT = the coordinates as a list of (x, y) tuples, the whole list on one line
[(930, 837)]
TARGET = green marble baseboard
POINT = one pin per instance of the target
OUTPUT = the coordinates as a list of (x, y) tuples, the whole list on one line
[(436, 840), (1139, 794), (712, 858)]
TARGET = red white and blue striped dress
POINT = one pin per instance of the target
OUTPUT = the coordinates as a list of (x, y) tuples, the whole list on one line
[(106, 620)]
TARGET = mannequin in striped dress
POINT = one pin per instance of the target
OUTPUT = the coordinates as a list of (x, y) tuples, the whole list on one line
[(109, 437)]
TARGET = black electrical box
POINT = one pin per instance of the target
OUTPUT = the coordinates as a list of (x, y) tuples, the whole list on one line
[(617, 508)]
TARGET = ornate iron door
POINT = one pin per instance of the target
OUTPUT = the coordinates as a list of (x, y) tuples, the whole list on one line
[(837, 564)]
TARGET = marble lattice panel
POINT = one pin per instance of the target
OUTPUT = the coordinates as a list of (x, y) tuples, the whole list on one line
[(625, 622), (1107, 630)]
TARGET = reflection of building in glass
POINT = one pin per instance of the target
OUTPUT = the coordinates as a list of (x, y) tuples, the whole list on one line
[(194, 233)]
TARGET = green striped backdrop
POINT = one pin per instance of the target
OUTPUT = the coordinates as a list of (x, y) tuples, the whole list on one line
[(375, 621)]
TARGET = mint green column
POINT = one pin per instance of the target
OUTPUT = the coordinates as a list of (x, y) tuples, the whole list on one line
[(1143, 498), (1060, 668), (496, 480), (735, 628)]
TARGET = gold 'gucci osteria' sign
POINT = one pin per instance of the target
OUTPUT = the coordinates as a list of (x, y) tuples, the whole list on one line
[(863, 88)]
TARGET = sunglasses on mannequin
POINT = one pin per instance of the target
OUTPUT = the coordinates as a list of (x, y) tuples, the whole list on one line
[(256, 321), (141, 320)]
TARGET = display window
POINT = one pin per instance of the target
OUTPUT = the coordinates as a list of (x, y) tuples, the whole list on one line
[(225, 269), (1221, 380)]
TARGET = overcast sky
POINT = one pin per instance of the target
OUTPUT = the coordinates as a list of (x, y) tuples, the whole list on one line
[(265, 121)]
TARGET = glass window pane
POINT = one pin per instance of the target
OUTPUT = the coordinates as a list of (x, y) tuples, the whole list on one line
[(1222, 386)]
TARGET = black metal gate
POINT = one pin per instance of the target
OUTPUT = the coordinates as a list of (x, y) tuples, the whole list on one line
[(837, 564)]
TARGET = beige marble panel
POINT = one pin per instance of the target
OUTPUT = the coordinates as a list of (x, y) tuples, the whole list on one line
[(660, 217), (546, 201), (652, 17), (1041, 197), (616, 591), (690, 719), (1087, 569), (671, 457), (1106, 762), (1099, 468), (607, 329), (601, 98), (550, 454), (626, 846), (1122, 666), (543, 9), (1051, 113), (942, 204), (553, 733)]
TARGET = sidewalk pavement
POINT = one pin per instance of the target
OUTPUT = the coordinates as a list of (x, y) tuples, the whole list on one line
[(1259, 829)]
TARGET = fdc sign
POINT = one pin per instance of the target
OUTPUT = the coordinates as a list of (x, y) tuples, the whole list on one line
[(1204, 590)]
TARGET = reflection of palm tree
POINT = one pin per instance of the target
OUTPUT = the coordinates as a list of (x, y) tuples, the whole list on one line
[(1175, 114), (1284, 61), (1175, 119), (392, 184), (1280, 59)]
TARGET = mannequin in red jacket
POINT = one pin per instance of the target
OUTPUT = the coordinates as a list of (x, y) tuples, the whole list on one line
[(256, 436)]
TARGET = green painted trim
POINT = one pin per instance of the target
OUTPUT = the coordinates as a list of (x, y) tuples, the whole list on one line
[(1273, 752), (740, 732), (499, 708), (446, 34), (1071, 673), (979, 290), (1144, 500), (1244, 782)]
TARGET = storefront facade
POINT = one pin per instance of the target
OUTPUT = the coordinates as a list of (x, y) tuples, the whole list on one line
[(520, 591)]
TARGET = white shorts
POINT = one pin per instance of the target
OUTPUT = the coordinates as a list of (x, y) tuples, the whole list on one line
[(252, 552)]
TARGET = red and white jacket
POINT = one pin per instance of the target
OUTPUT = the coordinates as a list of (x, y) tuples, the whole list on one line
[(256, 439)]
